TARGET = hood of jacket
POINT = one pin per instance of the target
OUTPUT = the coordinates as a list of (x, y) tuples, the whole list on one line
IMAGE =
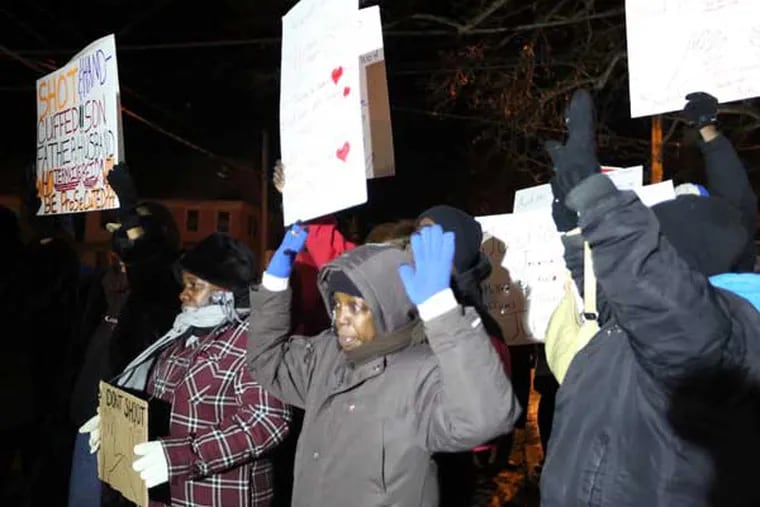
[(706, 232), (373, 270)]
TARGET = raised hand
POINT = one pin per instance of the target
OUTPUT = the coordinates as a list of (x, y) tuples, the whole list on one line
[(575, 160), (701, 109), (433, 252), (282, 261)]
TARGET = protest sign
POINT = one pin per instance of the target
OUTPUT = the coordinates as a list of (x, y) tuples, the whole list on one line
[(79, 135), (376, 110), (676, 47), (321, 129), (123, 424), (541, 197), (528, 273), (528, 267)]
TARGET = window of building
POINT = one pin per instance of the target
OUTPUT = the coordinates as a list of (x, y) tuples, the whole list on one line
[(223, 221), (192, 220)]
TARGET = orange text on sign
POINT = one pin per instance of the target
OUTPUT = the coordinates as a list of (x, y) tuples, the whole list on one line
[(57, 92)]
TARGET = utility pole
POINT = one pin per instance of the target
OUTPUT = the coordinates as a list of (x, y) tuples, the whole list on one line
[(656, 149), (264, 200)]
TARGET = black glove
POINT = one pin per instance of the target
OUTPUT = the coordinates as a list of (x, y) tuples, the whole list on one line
[(122, 183), (575, 160), (701, 109), (564, 218)]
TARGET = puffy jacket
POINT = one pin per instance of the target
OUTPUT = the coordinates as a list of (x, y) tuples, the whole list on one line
[(612, 442), (370, 429)]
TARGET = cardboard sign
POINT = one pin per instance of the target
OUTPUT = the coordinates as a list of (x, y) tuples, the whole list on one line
[(528, 273), (123, 424), (321, 129), (79, 135), (676, 47), (376, 109)]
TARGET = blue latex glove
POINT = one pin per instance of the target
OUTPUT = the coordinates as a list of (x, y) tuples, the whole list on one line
[(433, 252), (282, 261)]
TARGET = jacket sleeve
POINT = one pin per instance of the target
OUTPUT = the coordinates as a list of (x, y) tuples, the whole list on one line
[(259, 425), (467, 398), (675, 319), (282, 364), (727, 178), (575, 263)]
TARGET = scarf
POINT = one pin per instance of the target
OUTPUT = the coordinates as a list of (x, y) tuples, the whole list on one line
[(222, 311), (410, 334)]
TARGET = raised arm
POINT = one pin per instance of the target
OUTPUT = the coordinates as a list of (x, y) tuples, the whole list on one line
[(283, 365), (675, 319), (726, 174), (467, 399)]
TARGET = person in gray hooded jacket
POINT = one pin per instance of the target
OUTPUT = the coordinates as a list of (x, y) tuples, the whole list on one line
[(389, 384)]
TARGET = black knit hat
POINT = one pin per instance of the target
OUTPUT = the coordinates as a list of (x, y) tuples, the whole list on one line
[(467, 231), (340, 282), (705, 231), (223, 261)]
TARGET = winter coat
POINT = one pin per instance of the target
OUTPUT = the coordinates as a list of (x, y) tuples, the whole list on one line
[(369, 430), (612, 441)]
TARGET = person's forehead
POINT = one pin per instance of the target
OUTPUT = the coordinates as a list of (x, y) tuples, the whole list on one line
[(342, 297), (188, 276)]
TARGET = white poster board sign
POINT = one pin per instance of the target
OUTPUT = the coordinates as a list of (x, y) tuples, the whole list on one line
[(376, 109), (321, 129), (528, 267), (79, 136), (676, 47), (541, 197)]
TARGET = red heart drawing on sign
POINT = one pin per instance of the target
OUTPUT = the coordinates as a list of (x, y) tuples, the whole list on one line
[(342, 153), (336, 74), (346, 91)]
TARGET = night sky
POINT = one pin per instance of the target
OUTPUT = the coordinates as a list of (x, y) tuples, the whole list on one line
[(208, 73)]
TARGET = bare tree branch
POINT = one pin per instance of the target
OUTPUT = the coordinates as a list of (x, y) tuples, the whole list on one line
[(467, 29)]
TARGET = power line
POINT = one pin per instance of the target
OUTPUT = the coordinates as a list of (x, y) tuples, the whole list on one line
[(42, 67)]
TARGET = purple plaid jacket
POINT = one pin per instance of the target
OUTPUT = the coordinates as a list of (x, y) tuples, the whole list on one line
[(223, 423)]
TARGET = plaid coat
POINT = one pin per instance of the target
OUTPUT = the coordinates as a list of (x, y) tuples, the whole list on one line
[(223, 423)]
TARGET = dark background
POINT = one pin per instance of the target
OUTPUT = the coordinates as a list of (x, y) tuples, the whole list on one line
[(476, 87)]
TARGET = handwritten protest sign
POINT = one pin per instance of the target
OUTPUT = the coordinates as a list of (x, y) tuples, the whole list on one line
[(526, 254), (123, 424), (376, 110), (676, 47), (541, 197), (528, 273), (79, 132), (321, 129)]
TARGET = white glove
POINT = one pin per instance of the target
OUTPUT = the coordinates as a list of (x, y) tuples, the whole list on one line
[(151, 463), (93, 428)]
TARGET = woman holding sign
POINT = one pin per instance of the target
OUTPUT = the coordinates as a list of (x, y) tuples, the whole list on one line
[(223, 423)]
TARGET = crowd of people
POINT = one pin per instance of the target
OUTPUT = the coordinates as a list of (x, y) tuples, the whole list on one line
[(372, 374)]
